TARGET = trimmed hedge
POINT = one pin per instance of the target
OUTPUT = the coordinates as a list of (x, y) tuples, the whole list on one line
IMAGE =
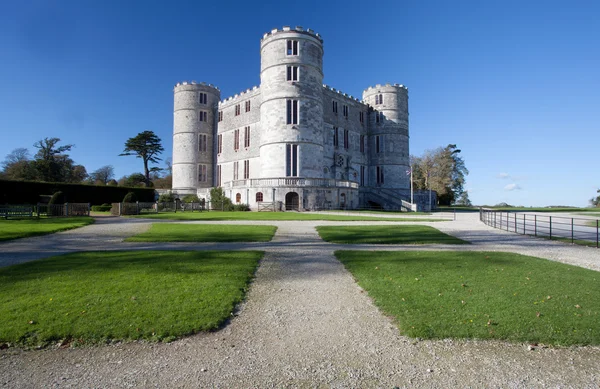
[(29, 192), (101, 208)]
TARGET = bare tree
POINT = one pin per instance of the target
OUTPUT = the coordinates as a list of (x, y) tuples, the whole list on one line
[(103, 175)]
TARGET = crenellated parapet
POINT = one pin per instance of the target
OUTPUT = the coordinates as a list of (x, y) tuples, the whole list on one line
[(342, 94), (193, 85), (250, 92), (297, 29), (387, 86)]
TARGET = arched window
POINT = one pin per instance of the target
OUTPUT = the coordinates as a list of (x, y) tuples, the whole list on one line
[(238, 197), (259, 197)]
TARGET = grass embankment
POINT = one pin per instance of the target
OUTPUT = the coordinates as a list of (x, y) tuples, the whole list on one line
[(221, 216), (24, 228), (385, 235), (205, 233), (93, 297), (484, 295)]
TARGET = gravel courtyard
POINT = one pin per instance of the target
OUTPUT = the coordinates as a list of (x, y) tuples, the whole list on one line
[(305, 323)]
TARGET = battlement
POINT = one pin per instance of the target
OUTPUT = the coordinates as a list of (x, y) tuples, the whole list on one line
[(329, 88), (380, 86), (240, 96), (197, 84), (297, 29)]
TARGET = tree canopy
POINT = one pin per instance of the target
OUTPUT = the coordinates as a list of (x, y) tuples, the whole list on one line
[(102, 175), (147, 146), (596, 201), (442, 170)]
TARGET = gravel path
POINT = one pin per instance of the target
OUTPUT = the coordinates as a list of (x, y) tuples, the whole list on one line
[(305, 324)]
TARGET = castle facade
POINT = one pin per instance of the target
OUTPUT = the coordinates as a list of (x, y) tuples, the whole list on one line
[(293, 139)]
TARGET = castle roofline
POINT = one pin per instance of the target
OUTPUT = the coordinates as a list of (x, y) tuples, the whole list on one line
[(239, 95), (192, 83), (297, 29), (329, 88), (388, 85)]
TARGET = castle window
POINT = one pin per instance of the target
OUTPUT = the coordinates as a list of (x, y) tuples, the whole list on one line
[(238, 198), (248, 106), (292, 73), (378, 144), (362, 143), (220, 116), (362, 175), (236, 140), (235, 170), (346, 139), (237, 110), (246, 169), (380, 175), (219, 143), (378, 117), (361, 116), (334, 106), (345, 110), (291, 160), (247, 136), (292, 47), (202, 143), (202, 176), (259, 197), (202, 98), (202, 116), (292, 111), (336, 137), (218, 175), (379, 99)]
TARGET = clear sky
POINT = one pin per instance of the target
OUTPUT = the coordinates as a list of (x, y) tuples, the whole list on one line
[(514, 84)]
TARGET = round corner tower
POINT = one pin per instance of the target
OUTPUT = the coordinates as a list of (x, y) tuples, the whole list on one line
[(193, 128), (389, 132), (291, 114)]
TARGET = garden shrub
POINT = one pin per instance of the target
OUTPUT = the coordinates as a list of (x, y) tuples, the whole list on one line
[(191, 198), (130, 197), (168, 197)]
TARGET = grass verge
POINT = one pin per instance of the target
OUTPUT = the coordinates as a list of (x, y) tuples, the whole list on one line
[(221, 216), (94, 297), (24, 228), (482, 295), (385, 235), (205, 233)]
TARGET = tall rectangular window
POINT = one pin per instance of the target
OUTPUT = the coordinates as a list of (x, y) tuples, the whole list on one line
[(362, 143), (247, 136), (292, 73), (202, 98), (202, 143), (247, 106), (336, 137), (362, 175), (218, 175), (376, 117), (345, 110), (380, 180), (346, 139), (237, 109), (219, 143), (292, 111), (202, 176), (202, 116), (220, 116), (236, 140), (291, 160), (379, 99), (378, 144), (334, 106), (246, 169), (292, 47), (235, 170), (361, 116)]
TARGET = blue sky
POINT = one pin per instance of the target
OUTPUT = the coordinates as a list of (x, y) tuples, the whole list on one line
[(515, 84)]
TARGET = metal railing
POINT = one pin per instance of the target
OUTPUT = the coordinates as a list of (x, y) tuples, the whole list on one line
[(574, 230), (290, 182)]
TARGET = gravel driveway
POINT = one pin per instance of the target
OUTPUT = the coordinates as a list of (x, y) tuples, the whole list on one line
[(305, 324)]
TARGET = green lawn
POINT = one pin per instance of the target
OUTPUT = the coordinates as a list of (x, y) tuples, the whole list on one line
[(23, 228), (385, 235), (163, 232), (220, 216), (93, 297), (483, 295)]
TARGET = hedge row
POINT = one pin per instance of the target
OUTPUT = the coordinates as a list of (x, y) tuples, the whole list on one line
[(29, 192)]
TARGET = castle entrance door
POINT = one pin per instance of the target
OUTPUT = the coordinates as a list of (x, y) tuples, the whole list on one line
[(292, 201)]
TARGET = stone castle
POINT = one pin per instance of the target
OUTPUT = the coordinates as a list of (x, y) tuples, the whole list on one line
[(293, 140)]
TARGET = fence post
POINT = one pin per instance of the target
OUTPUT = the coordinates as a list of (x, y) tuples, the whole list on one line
[(572, 230), (38, 210), (89, 208), (550, 227), (535, 224), (524, 225), (597, 233), (137, 207), (66, 210), (120, 209), (515, 223), (156, 207)]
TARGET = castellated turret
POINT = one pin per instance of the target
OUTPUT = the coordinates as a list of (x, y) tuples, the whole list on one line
[(194, 124), (388, 122), (291, 112)]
